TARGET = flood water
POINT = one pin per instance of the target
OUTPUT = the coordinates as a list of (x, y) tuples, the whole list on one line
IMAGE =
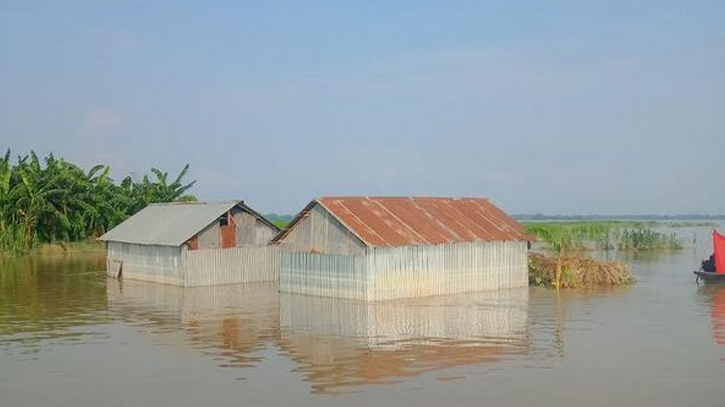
[(71, 337)]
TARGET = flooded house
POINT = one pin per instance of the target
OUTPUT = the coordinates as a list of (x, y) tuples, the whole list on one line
[(193, 244), (384, 248)]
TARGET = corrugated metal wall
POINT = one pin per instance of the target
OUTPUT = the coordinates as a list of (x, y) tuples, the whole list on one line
[(421, 271), (161, 264), (407, 272), (210, 237), (324, 275), (230, 266), (321, 233), (190, 268), (251, 231)]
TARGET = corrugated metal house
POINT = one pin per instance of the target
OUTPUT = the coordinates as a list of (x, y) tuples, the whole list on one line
[(193, 244), (405, 247)]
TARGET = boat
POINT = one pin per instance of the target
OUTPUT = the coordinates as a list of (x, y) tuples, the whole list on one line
[(712, 270), (709, 277)]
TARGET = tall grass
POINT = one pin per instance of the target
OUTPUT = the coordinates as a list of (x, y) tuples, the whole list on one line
[(13, 239), (604, 235), (646, 239)]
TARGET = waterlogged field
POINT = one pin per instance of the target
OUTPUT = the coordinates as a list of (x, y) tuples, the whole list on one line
[(70, 337), (611, 235)]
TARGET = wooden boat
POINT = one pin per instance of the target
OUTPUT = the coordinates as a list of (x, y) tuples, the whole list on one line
[(715, 265), (709, 277)]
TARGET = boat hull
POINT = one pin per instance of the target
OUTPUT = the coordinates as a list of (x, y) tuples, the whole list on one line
[(710, 277)]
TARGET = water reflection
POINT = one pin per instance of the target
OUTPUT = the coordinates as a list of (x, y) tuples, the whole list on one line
[(336, 344), (714, 297), (340, 344), (50, 297), (228, 323)]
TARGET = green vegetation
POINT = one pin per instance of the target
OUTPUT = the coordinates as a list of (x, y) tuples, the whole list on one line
[(646, 239), (52, 200), (604, 235), (280, 223), (567, 270)]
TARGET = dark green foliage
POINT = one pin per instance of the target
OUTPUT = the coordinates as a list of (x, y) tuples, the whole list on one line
[(48, 200)]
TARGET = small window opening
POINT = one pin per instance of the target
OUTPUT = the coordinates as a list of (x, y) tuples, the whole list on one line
[(224, 221)]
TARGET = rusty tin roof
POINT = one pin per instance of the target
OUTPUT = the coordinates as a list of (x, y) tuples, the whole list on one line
[(405, 221)]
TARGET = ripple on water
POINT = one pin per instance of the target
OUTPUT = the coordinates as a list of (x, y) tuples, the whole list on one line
[(506, 345)]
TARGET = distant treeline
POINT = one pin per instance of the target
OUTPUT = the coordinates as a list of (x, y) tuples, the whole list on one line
[(50, 199), (281, 221)]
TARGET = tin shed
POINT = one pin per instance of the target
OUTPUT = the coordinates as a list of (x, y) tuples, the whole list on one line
[(193, 244), (402, 247)]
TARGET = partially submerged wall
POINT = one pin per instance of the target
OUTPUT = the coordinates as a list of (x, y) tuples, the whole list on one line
[(324, 275), (191, 268), (230, 266), (406, 272), (160, 264), (421, 271)]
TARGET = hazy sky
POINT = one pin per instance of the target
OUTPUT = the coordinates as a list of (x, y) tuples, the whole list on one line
[(544, 106)]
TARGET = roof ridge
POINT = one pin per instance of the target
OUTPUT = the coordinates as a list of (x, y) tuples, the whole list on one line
[(450, 220), (190, 203), (450, 198)]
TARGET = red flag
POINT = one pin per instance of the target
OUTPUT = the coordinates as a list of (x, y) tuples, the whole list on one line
[(718, 244)]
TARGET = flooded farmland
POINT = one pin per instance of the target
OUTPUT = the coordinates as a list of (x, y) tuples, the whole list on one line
[(71, 337)]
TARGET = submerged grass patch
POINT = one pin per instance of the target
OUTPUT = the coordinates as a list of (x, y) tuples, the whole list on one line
[(646, 239), (577, 271), (603, 235)]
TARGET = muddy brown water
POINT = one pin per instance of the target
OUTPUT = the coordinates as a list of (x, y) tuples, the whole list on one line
[(70, 337)]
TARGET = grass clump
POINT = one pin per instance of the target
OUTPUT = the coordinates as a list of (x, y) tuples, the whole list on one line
[(603, 235), (576, 271), (647, 239), (12, 239)]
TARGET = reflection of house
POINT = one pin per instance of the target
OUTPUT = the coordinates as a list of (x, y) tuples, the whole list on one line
[(193, 244), (341, 343), (337, 344), (228, 322), (385, 248)]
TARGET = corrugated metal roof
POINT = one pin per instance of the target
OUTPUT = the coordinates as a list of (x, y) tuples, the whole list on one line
[(171, 224), (403, 221)]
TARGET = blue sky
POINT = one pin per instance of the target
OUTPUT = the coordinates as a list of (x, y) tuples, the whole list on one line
[(544, 106)]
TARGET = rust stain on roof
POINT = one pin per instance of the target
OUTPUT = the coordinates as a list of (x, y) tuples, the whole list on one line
[(404, 221)]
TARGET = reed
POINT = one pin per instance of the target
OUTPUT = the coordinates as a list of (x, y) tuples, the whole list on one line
[(12, 239), (595, 235), (646, 239)]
